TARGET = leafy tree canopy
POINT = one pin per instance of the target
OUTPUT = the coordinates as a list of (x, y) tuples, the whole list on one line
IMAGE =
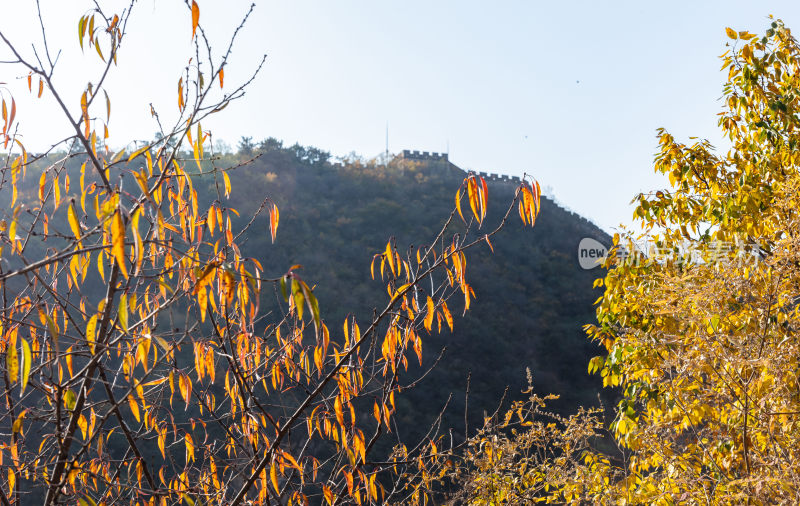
[(699, 320)]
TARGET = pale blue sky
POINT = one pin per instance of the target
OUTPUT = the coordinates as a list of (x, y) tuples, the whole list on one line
[(570, 92)]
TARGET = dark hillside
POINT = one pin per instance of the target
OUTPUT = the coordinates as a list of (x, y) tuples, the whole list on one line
[(532, 296)]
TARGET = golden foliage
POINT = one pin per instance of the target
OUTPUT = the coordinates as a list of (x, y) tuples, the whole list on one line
[(699, 318), (178, 310)]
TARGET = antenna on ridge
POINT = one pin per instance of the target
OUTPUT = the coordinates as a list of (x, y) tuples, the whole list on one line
[(386, 153)]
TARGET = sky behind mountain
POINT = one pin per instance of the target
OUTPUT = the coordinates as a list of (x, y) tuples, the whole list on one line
[(569, 92)]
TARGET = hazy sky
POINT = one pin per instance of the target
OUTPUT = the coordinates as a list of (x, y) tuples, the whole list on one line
[(570, 92)]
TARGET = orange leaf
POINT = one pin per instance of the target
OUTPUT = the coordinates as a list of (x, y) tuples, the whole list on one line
[(113, 24), (328, 493), (134, 408), (185, 386), (429, 315), (195, 17), (212, 219), (292, 461), (337, 406), (273, 475), (13, 112), (458, 205), (84, 113), (180, 96), (390, 256), (205, 277), (484, 197), (273, 221), (447, 316), (189, 442), (227, 180), (42, 182)]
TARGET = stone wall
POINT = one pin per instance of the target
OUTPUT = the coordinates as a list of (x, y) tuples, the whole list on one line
[(423, 156)]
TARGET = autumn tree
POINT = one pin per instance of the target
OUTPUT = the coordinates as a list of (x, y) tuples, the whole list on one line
[(138, 364), (699, 317), (701, 332)]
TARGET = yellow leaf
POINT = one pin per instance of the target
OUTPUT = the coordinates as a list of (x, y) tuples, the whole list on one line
[(273, 474), (16, 427), (447, 316), (212, 219), (26, 365), (84, 425), (189, 442), (118, 241), (42, 181), (205, 277), (73, 221), (731, 33), (337, 406), (292, 461), (138, 152), (429, 315), (328, 493), (180, 94), (81, 33), (162, 437), (458, 205), (401, 291), (227, 180), (185, 386), (122, 312), (97, 48), (134, 408), (56, 192), (108, 102), (12, 361)]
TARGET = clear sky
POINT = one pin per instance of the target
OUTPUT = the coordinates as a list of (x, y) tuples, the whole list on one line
[(570, 92)]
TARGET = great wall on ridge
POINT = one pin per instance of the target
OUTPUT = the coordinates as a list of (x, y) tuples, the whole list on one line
[(429, 157), (432, 157)]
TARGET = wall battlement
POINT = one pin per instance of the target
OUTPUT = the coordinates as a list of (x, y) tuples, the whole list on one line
[(423, 156), (501, 178)]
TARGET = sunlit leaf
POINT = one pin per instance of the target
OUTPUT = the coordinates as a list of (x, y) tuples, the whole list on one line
[(273, 221), (12, 361), (431, 311), (118, 241), (138, 152), (25, 372), (73, 221), (195, 17), (227, 182), (70, 399), (273, 475), (189, 442)]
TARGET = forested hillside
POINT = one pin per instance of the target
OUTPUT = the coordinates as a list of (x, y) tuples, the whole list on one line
[(532, 296)]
